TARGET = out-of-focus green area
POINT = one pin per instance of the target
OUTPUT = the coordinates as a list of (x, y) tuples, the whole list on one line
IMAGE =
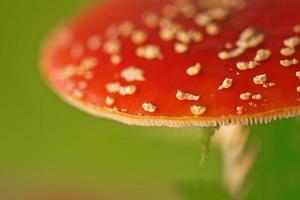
[(47, 147)]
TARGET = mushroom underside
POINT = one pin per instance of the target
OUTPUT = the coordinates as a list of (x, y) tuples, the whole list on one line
[(179, 122)]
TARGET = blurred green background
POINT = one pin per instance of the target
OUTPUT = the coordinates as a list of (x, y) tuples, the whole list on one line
[(47, 148)]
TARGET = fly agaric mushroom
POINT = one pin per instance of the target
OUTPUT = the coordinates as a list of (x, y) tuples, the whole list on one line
[(181, 63)]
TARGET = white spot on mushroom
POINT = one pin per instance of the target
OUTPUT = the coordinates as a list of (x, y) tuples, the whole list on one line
[(165, 22), (116, 109), (112, 31), (298, 74), (109, 101), (116, 59), (83, 69), (228, 45), (254, 41), (254, 105), (89, 63), (151, 19), (183, 37), (112, 47), (198, 110), (139, 37), (149, 107), (247, 33), (70, 86), (212, 29), (123, 109), (187, 9), (227, 83), (297, 28), (194, 70), (82, 85), (202, 19), (77, 94), (113, 87), (298, 89), (94, 43), (122, 90), (127, 90), (234, 53), (180, 95), (218, 13), (287, 51), (149, 52), (64, 36), (132, 74), (180, 48), (246, 65), (287, 63), (292, 42), (68, 72), (239, 110), (224, 55), (250, 38), (245, 96), (262, 54), (196, 36), (260, 79), (167, 33), (267, 85), (257, 97), (126, 28)]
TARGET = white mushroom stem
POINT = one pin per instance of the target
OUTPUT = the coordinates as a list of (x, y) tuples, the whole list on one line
[(237, 160)]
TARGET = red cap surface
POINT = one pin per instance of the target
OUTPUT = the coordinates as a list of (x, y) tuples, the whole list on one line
[(180, 62)]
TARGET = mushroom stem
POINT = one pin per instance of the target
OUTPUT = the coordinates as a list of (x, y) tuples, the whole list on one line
[(237, 161)]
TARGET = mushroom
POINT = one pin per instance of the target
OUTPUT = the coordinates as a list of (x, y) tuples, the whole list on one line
[(197, 64)]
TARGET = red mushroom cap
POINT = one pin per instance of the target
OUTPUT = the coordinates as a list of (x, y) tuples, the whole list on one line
[(180, 62)]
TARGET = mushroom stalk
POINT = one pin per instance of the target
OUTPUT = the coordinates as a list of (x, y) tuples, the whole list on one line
[(237, 160)]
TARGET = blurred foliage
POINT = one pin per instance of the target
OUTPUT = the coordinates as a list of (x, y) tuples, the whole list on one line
[(45, 143)]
